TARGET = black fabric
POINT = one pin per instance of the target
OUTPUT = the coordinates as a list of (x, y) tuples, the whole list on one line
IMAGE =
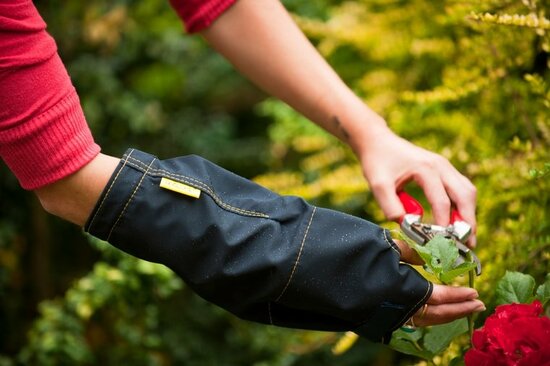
[(264, 257)]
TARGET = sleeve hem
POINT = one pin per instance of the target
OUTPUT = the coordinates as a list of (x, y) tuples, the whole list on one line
[(197, 17)]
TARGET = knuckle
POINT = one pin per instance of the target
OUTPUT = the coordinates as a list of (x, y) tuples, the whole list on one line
[(438, 294), (471, 191), (442, 160), (436, 312), (379, 185), (468, 195), (426, 165), (442, 203)]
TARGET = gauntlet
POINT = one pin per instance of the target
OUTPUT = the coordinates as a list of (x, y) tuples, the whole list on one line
[(264, 257)]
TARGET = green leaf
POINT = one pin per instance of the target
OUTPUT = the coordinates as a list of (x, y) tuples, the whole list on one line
[(440, 255), (409, 336), (446, 250), (465, 267), (427, 257), (404, 342), (438, 337), (403, 346), (543, 291), (515, 287)]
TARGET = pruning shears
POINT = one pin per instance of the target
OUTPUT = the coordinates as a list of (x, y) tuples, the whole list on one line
[(458, 229)]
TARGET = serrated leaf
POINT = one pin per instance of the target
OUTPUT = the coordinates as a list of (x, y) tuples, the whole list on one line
[(515, 287), (439, 337), (427, 257), (459, 270), (543, 291), (444, 249), (440, 255)]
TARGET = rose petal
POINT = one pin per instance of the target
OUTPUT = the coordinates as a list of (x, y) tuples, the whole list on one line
[(477, 358)]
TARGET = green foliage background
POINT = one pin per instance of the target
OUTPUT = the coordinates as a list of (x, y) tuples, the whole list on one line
[(469, 80)]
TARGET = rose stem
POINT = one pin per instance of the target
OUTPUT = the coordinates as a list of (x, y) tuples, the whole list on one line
[(471, 284)]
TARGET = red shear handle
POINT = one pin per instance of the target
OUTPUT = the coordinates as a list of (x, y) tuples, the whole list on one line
[(412, 206), (455, 216)]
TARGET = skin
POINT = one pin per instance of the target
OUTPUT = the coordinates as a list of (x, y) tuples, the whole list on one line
[(292, 70), (446, 303)]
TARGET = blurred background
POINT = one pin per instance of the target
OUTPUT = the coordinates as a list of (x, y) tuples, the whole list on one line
[(469, 80)]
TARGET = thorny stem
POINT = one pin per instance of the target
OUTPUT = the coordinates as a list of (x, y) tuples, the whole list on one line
[(471, 276)]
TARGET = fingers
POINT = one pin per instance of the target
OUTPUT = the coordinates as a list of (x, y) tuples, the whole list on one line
[(445, 313), (447, 304), (463, 194), (444, 186), (389, 162), (385, 193), (442, 294), (429, 177), (408, 254)]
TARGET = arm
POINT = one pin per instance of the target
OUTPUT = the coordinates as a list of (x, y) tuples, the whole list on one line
[(73, 193), (44, 138), (265, 257), (262, 41)]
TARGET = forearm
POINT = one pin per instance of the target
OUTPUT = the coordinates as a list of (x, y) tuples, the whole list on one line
[(265, 257), (263, 42), (73, 198), (44, 138)]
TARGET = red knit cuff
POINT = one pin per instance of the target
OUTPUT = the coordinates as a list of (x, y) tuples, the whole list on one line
[(51, 146), (199, 14)]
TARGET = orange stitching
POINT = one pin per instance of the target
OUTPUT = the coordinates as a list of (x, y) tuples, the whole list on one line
[(129, 200), (407, 316), (390, 243), (269, 312), (200, 185), (299, 255), (109, 190)]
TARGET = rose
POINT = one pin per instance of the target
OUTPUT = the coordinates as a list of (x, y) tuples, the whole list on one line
[(515, 335)]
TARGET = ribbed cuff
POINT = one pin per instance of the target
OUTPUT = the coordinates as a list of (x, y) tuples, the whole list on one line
[(49, 147), (199, 14)]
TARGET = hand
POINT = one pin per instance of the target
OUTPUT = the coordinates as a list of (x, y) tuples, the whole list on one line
[(389, 162), (317, 92), (447, 303)]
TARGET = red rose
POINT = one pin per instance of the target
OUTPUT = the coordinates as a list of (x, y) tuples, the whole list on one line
[(515, 335)]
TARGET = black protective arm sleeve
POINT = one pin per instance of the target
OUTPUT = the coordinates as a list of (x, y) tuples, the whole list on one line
[(264, 257)]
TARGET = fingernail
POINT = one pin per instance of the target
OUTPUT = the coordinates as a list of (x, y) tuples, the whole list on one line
[(480, 307), (474, 295)]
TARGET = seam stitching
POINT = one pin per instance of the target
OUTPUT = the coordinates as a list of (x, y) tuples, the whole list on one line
[(129, 200), (109, 190), (391, 243), (269, 312), (198, 184), (408, 315), (299, 255)]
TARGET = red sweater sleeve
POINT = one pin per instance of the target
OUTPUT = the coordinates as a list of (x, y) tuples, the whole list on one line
[(43, 133), (199, 14)]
